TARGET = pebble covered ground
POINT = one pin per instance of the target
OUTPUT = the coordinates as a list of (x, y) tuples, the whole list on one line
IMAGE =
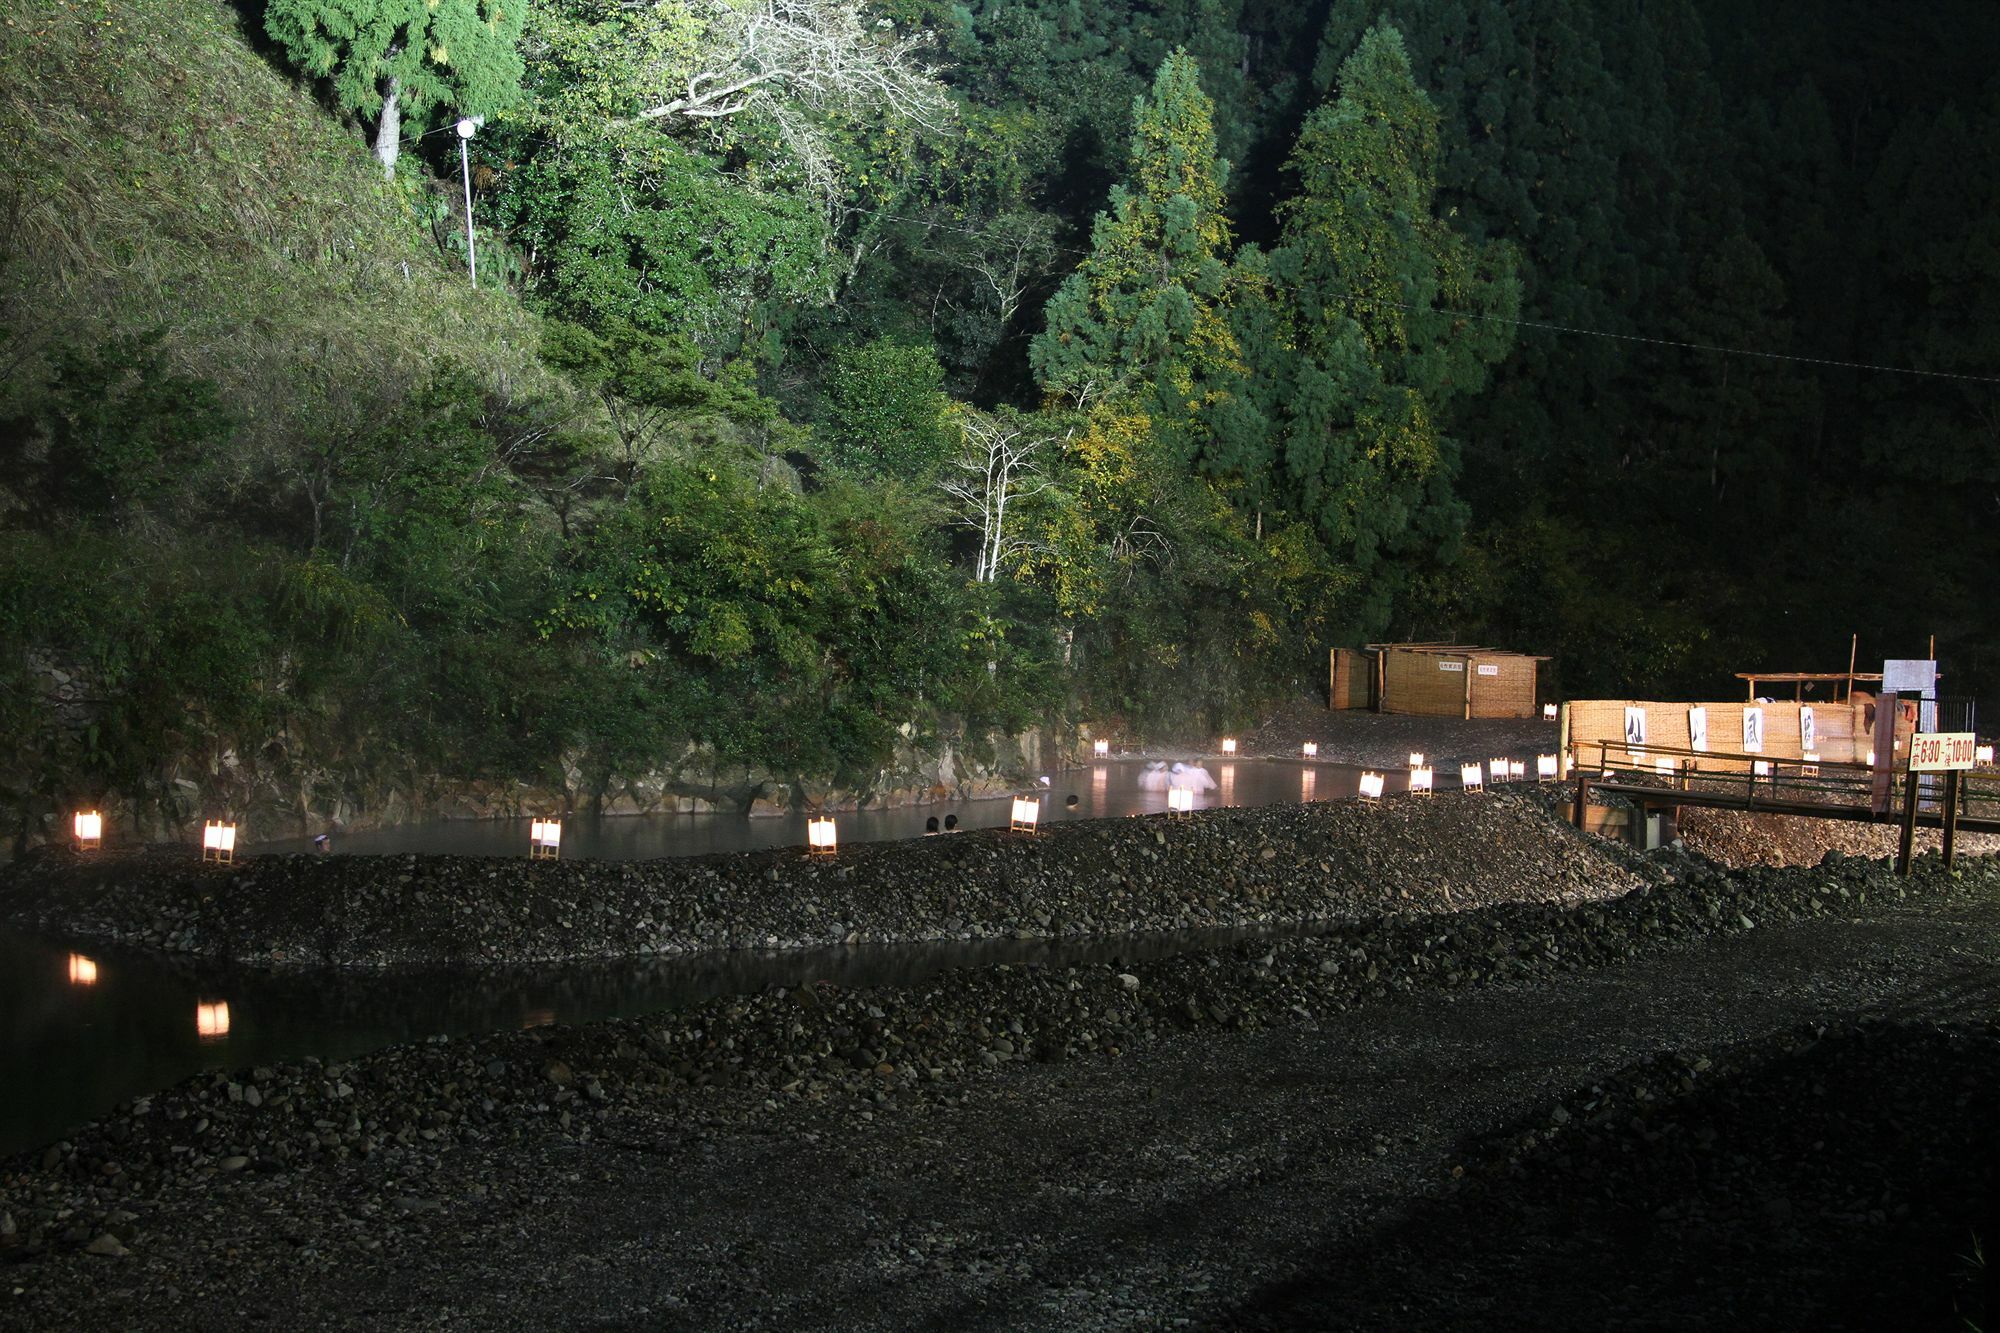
[(1265, 866), (969, 1152), (1745, 838)]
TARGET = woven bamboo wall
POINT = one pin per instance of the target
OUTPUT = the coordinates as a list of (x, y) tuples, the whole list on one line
[(1503, 686), (1351, 679), (1417, 683), (1840, 729)]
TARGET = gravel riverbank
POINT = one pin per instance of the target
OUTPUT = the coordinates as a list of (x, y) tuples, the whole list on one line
[(232, 1200), (1267, 866)]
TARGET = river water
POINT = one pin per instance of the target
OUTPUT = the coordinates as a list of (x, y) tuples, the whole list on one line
[(84, 1027), (1107, 790)]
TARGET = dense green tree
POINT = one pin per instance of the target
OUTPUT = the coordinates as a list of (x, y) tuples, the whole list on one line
[(392, 58), (1147, 313), (1393, 315), (885, 410)]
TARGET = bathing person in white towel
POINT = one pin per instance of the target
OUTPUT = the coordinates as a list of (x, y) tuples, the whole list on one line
[(1192, 776), (1154, 778)]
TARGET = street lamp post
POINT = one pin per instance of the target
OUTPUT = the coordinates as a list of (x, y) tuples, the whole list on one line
[(466, 128)]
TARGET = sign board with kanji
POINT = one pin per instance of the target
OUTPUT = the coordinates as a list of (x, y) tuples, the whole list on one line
[(1942, 751)]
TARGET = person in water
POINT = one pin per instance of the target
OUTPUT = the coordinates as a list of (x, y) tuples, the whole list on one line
[(931, 827), (951, 823), (323, 844)]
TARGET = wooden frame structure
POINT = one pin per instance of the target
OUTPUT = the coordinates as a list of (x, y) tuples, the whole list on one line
[(1798, 680), (1455, 680)]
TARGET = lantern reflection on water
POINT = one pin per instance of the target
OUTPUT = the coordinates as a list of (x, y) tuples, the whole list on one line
[(82, 970), (1308, 781), (211, 1019)]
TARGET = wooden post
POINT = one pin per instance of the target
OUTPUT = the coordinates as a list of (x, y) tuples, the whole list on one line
[(1853, 647), (1950, 815), (1469, 669), (1906, 848), (1582, 791)]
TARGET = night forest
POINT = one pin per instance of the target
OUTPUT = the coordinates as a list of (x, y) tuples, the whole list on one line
[(839, 375)]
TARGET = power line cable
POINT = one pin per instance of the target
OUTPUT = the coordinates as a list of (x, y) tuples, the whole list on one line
[(1545, 326)]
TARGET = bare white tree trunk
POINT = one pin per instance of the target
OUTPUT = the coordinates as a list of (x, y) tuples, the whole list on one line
[(389, 131), (994, 471)]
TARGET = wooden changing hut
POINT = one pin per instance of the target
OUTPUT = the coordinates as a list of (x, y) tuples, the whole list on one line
[(1454, 680)]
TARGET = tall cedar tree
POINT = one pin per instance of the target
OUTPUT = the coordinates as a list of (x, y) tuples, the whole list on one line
[(1146, 317), (1392, 316), (388, 58)]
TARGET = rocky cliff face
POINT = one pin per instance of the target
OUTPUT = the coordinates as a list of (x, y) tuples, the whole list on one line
[(292, 783)]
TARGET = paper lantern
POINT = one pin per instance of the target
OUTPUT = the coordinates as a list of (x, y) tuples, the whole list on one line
[(820, 840), (1310, 749), (1027, 811), (1420, 782), (545, 839), (1811, 765), (1548, 712), (1416, 760), (1101, 749), (1496, 770), (1545, 766), (89, 828), (1517, 769), (1760, 768), (1180, 800), (1371, 786), (218, 841), (1982, 754), (82, 971), (211, 1020), (1469, 779), (1229, 745), (1664, 766)]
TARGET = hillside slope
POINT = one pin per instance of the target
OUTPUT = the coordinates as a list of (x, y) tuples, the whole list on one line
[(157, 171)]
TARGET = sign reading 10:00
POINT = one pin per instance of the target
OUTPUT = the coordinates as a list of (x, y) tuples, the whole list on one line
[(1941, 751)]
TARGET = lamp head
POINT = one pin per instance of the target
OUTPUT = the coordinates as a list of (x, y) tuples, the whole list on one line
[(467, 127)]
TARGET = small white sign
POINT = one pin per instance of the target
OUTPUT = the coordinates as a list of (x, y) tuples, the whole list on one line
[(1446, 664), (1909, 673), (1635, 726), (1942, 751), (1489, 669)]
